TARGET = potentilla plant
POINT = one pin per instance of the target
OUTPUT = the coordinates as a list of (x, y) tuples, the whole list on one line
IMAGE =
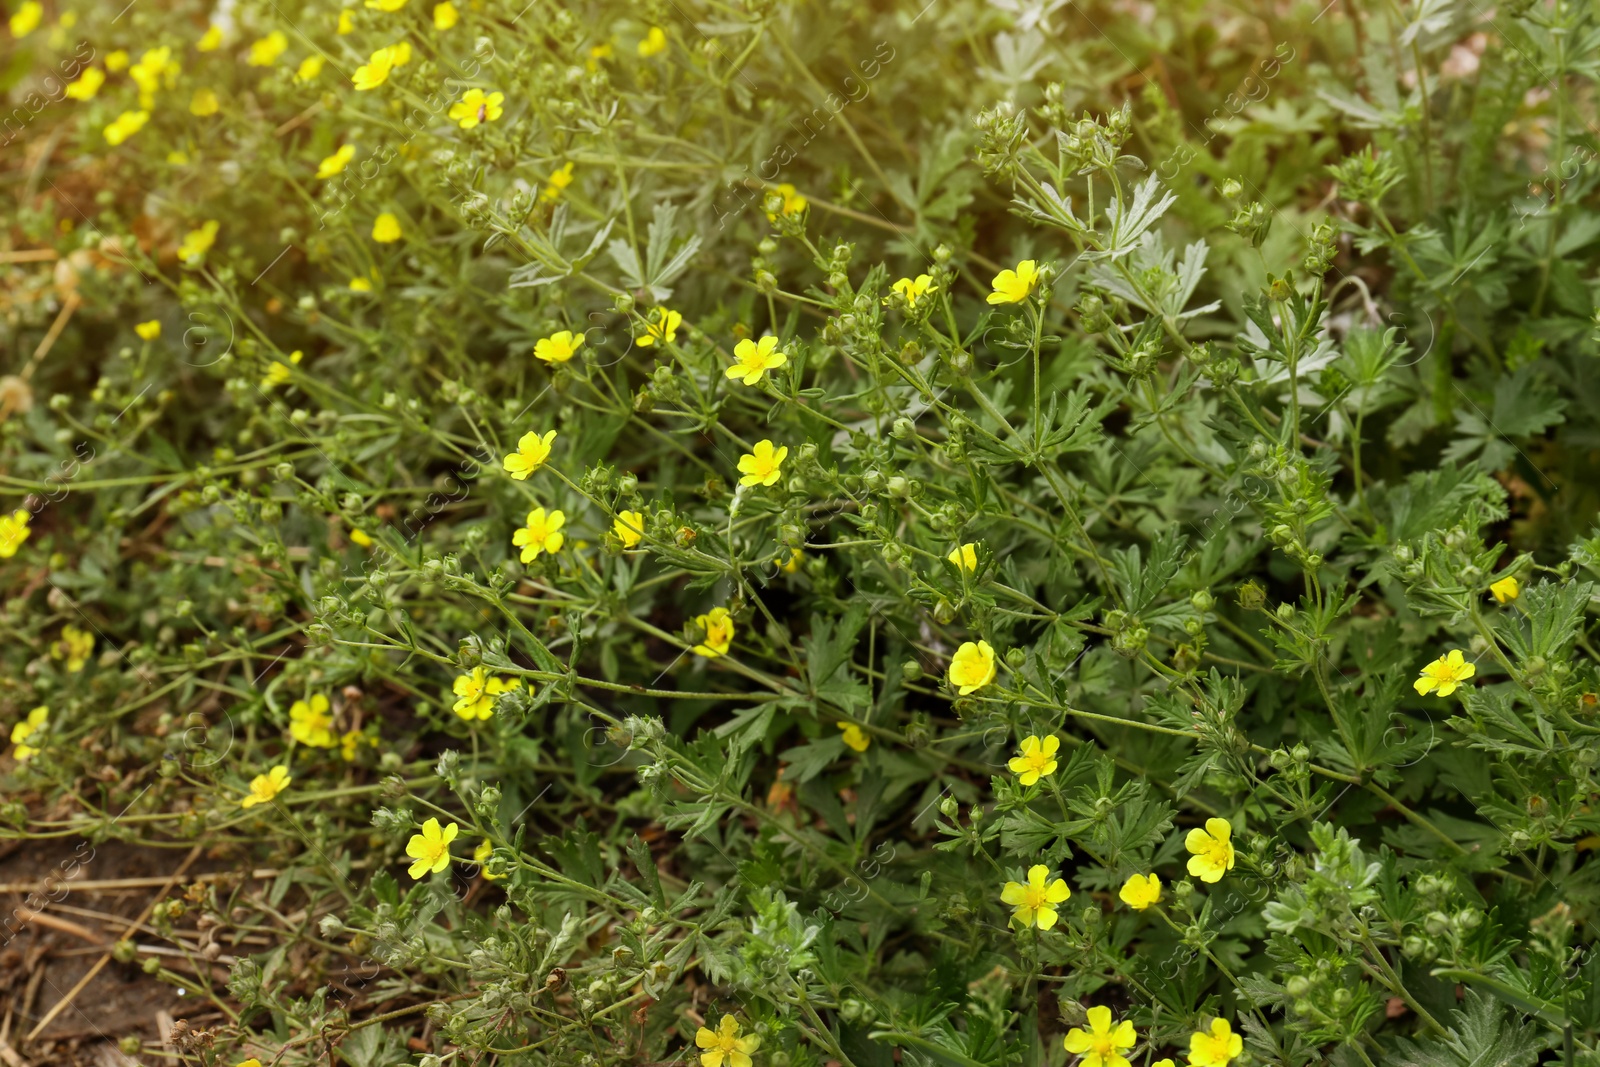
[(802, 534)]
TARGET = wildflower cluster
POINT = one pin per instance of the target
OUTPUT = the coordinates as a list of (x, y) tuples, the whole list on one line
[(1047, 565)]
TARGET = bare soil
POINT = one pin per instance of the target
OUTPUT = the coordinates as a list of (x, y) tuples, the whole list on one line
[(57, 922)]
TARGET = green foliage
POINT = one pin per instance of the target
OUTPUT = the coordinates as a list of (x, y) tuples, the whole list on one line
[(1183, 385)]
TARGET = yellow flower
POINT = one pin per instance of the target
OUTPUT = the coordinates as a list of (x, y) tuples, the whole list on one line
[(278, 372), (723, 1046), (360, 537), (336, 162), (663, 328), (477, 692), (1212, 850), (30, 727), (378, 66), (148, 331), (793, 202), (13, 531), (654, 43), (265, 52), (972, 667), (854, 736), (350, 744), (155, 66), (792, 564), (1140, 891), (264, 787), (26, 19), (117, 60), (360, 285), (1013, 286), (1445, 674), (431, 848), (253, 1062), (913, 290), (125, 126), (386, 5), (1216, 1047), (718, 625), (603, 50), (211, 40), (557, 183), (445, 16), (386, 229), (481, 854), (177, 158), (1033, 904), (75, 646), (309, 68), (197, 243), (558, 347), (532, 451), (764, 465), (310, 722), (476, 106), (1505, 589), (966, 557), (346, 23), (542, 534), (629, 528), (1102, 1044), (204, 103), (1037, 759), (753, 359), (87, 85)]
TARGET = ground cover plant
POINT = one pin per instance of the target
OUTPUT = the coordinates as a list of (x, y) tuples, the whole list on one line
[(786, 532)]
